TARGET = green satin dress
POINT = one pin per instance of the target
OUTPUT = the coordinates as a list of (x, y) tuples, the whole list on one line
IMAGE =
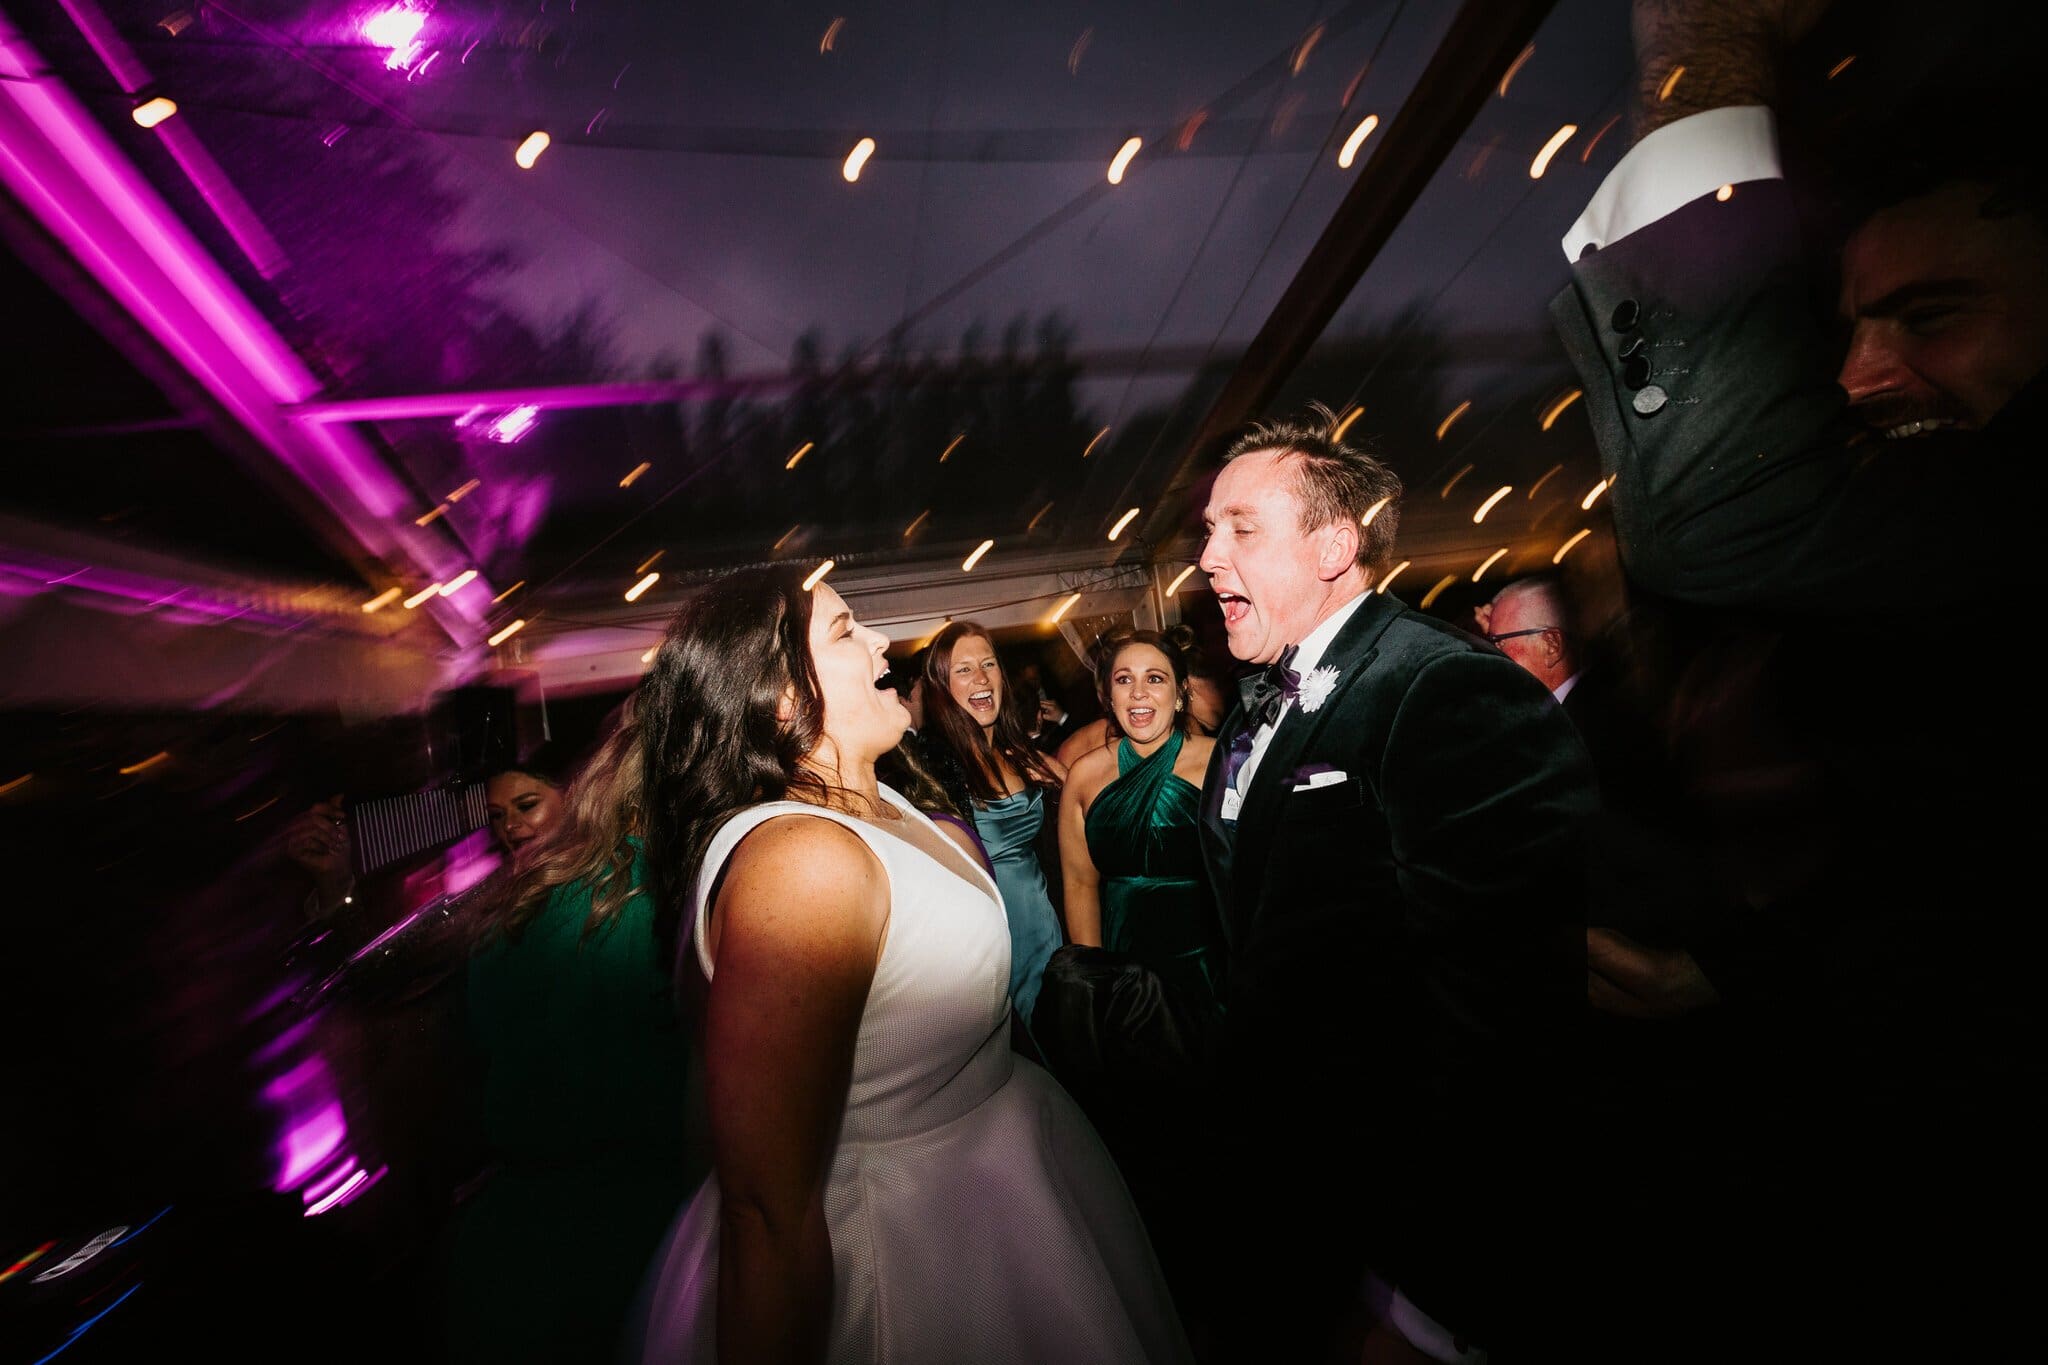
[(1144, 839)]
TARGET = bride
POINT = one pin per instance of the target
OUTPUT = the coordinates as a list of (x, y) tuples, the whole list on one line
[(890, 1182)]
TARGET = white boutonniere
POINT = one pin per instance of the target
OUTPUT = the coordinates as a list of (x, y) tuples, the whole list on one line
[(1316, 688)]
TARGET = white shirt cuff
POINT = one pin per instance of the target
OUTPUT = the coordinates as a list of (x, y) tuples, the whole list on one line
[(1675, 165), (1429, 1336)]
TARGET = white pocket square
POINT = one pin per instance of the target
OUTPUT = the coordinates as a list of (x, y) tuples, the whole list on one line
[(1326, 778)]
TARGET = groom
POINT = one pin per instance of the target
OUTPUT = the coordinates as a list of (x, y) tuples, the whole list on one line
[(1391, 827)]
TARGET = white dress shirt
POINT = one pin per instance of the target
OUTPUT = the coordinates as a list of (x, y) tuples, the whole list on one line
[(1673, 166), (1307, 655)]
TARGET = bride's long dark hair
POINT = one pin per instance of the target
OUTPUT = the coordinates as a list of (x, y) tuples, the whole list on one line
[(714, 741)]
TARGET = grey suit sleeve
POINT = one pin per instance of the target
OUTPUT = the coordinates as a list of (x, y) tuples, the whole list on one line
[(1746, 485)]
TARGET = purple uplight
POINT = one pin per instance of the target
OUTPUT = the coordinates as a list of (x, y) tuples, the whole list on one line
[(514, 424), (397, 29)]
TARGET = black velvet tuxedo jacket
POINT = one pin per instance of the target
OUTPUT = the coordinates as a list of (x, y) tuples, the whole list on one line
[(1405, 951)]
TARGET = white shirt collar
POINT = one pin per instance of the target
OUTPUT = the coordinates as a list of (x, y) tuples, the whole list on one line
[(1564, 689), (1316, 643)]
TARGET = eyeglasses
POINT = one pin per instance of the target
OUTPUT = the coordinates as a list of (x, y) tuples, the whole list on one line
[(1511, 634)]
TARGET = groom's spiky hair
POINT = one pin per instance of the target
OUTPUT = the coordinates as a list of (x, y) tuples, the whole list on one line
[(1333, 480)]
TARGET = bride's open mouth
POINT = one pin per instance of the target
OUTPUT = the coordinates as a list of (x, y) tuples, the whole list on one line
[(1138, 717), (982, 703)]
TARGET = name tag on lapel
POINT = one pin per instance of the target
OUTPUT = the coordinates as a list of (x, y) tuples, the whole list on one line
[(1233, 802)]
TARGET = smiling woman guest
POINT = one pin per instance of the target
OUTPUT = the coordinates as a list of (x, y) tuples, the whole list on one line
[(1129, 841), (977, 743)]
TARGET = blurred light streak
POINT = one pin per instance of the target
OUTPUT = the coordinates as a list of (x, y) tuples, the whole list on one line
[(1515, 67), (817, 575), (1454, 480), (1550, 148), (1725, 193), (650, 561), (458, 583), (1670, 83), (1487, 506), (357, 1183), (1306, 46), (152, 112), (831, 34), (1594, 496), (785, 537), (1455, 414), (530, 150), (634, 593), (648, 657), (1555, 410), (634, 473), (916, 522), (1548, 474), (1122, 162), (1345, 425), (1351, 90), (968, 565), (1037, 517), (459, 494), (422, 595), (1061, 609), (1121, 522), (245, 814), (1178, 579), (1587, 154), (801, 451), (951, 446), (1349, 151), (383, 599), (1839, 67), (508, 632), (4, 789), (1375, 510), (1393, 574), (508, 592), (1429, 598), (29, 1258), (1490, 561), (159, 756), (433, 516), (514, 424), (857, 158), (85, 1326), (1566, 548), (1080, 46), (176, 22), (1190, 128), (1096, 441)]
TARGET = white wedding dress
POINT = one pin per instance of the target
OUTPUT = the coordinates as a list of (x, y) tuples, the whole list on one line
[(974, 1214)]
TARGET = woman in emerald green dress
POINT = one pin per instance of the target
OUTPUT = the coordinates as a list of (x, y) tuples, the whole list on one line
[(1127, 1004), (584, 1064), (1129, 842)]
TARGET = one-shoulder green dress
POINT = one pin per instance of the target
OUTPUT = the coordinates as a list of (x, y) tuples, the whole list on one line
[(1144, 839)]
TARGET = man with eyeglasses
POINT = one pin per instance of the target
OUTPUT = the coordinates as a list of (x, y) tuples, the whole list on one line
[(1527, 625)]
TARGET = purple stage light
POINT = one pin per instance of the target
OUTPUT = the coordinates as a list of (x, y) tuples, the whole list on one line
[(396, 28)]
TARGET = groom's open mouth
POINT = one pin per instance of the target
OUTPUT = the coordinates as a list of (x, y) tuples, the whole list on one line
[(1235, 608)]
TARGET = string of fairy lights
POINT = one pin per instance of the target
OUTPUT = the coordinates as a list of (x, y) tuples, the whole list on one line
[(403, 32)]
